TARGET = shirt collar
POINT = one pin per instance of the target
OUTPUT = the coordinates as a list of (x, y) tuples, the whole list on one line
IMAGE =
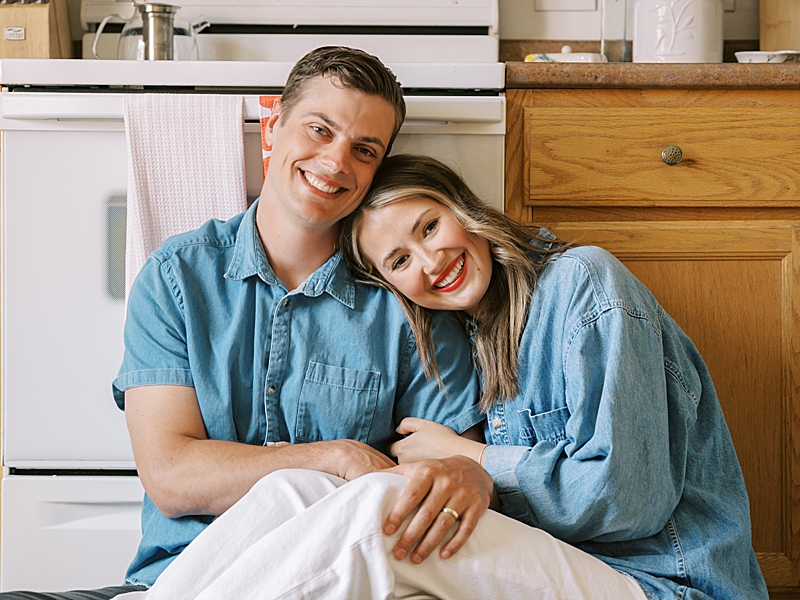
[(249, 258)]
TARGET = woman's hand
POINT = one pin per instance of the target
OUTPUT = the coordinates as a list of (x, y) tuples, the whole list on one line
[(427, 439)]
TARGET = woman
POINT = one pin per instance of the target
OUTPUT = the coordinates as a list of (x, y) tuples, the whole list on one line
[(603, 425)]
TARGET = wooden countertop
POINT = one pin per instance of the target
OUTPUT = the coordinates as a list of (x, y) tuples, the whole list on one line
[(521, 75)]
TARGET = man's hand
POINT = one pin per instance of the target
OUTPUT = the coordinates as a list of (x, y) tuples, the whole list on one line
[(353, 459), (458, 483)]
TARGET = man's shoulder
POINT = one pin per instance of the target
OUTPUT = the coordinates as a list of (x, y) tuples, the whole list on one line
[(212, 235)]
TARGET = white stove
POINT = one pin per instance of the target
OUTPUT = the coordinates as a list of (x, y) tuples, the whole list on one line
[(70, 493)]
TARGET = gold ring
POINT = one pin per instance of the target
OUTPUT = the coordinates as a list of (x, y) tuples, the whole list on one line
[(450, 512)]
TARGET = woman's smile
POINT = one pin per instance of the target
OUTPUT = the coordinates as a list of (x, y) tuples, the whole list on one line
[(453, 276)]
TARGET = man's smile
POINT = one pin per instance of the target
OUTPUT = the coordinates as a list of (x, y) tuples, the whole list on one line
[(320, 184)]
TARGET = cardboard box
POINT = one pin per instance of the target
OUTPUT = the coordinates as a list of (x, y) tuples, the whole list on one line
[(35, 30)]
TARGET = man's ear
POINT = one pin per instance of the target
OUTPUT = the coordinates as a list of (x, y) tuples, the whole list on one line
[(277, 107)]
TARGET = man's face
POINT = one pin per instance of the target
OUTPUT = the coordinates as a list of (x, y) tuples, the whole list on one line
[(325, 152)]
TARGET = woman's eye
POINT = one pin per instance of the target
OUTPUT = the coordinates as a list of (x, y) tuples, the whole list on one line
[(318, 129), (399, 262), (430, 226)]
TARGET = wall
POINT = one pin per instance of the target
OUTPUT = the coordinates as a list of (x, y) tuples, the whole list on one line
[(548, 19)]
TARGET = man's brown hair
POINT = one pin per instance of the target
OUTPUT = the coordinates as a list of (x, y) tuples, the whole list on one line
[(354, 69)]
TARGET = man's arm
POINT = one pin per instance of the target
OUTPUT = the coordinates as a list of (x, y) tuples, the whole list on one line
[(186, 473)]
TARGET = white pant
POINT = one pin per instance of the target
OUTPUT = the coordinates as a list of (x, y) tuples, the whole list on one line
[(306, 534)]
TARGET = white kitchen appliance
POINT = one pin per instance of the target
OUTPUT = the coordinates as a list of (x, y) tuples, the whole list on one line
[(70, 495)]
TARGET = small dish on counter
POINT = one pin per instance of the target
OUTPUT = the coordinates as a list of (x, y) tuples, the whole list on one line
[(777, 56), (566, 55)]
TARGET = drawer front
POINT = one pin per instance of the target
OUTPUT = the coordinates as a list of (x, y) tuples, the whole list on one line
[(612, 156), (68, 532)]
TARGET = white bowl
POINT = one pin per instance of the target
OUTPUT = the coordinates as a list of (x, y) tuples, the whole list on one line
[(566, 55), (778, 56)]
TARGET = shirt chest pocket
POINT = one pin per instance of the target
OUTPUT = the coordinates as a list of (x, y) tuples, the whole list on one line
[(336, 403), (550, 426)]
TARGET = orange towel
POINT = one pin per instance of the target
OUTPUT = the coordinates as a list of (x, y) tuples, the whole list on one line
[(265, 104)]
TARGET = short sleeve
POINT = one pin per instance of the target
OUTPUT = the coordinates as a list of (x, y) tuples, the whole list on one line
[(457, 405), (155, 333)]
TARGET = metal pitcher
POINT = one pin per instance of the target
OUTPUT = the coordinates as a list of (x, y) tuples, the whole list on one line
[(156, 31)]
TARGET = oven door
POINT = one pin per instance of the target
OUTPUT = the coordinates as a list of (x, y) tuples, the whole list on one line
[(63, 180), (64, 176)]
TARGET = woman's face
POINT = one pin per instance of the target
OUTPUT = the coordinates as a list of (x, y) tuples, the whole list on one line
[(419, 247)]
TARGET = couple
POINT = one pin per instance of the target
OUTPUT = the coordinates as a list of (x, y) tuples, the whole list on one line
[(261, 383), (608, 455), (607, 445)]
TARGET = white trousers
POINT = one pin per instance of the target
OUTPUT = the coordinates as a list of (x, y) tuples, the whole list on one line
[(306, 534)]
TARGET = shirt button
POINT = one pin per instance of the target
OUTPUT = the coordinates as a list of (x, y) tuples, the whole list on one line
[(271, 390), (285, 303), (497, 423)]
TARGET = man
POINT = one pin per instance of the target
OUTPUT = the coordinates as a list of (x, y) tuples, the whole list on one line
[(249, 349)]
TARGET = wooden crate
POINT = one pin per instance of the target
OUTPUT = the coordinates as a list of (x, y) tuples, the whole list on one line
[(780, 24), (35, 30)]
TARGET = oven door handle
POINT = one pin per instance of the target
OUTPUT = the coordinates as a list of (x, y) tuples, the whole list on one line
[(43, 106)]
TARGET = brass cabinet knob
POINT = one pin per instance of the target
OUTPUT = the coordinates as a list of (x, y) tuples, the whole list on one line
[(672, 155)]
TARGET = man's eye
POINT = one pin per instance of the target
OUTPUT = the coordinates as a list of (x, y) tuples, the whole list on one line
[(399, 262), (318, 129), (367, 152), (430, 226)]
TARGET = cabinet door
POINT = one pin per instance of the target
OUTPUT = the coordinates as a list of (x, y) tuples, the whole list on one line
[(731, 287)]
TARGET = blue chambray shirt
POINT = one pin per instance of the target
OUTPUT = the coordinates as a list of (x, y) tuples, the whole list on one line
[(327, 361), (617, 443)]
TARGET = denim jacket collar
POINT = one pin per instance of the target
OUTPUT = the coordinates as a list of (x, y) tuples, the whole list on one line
[(249, 258)]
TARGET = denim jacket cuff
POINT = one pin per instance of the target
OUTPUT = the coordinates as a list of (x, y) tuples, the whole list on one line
[(501, 463)]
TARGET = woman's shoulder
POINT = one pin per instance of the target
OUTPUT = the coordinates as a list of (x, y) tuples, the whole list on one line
[(592, 262), (598, 277)]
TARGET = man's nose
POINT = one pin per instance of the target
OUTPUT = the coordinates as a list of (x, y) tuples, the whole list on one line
[(337, 156)]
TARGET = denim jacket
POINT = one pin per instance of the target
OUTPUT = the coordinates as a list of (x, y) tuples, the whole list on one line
[(326, 361), (617, 443)]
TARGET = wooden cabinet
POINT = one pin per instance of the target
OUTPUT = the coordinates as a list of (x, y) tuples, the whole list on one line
[(715, 237)]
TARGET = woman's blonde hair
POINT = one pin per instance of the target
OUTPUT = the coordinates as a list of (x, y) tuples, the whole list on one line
[(517, 256)]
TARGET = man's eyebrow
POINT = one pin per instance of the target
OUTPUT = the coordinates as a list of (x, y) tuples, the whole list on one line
[(414, 228), (333, 125)]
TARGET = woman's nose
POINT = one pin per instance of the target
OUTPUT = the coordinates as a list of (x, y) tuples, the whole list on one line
[(432, 261)]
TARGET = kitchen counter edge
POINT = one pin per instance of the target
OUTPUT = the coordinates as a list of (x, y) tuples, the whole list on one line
[(523, 75)]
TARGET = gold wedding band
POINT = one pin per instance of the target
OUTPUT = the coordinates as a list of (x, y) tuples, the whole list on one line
[(450, 512)]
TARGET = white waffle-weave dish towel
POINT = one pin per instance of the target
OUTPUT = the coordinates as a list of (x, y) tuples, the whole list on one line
[(185, 166)]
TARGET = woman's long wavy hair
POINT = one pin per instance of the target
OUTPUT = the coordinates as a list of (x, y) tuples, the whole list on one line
[(501, 314)]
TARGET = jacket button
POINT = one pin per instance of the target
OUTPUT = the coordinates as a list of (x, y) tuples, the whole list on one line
[(271, 390), (497, 423), (285, 303)]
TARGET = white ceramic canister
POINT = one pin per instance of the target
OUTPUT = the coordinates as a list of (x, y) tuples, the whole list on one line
[(677, 31)]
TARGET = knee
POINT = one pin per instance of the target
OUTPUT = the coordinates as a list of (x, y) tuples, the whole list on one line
[(294, 479)]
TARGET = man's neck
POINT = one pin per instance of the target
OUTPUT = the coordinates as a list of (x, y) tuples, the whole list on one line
[(294, 251)]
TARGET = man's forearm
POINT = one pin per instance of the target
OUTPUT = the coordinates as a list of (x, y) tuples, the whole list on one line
[(185, 473), (206, 477)]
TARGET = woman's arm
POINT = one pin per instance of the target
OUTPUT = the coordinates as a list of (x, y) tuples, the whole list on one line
[(427, 439)]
